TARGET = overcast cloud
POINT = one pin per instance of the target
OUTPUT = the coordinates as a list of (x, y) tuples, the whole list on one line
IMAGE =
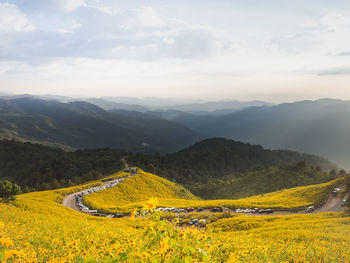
[(193, 49)]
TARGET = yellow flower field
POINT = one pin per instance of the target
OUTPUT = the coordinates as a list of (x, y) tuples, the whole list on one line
[(37, 228), (134, 191)]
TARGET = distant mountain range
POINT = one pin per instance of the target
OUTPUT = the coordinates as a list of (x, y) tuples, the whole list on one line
[(84, 125), (152, 104), (319, 127)]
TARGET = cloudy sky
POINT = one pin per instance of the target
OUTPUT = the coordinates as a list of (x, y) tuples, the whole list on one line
[(273, 50)]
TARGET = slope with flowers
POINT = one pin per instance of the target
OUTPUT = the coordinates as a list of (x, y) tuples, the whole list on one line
[(134, 191), (37, 228)]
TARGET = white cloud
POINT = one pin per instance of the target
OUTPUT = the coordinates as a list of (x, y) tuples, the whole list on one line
[(69, 5), (13, 20), (149, 17)]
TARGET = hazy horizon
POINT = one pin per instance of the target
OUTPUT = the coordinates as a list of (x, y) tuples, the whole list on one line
[(149, 99)]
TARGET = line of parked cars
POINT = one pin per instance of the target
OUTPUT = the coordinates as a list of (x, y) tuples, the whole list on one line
[(79, 199), (215, 210)]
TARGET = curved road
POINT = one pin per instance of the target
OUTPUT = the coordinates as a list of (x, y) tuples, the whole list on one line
[(70, 200), (333, 204)]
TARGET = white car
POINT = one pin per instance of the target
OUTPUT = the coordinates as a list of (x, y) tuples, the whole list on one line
[(309, 209)]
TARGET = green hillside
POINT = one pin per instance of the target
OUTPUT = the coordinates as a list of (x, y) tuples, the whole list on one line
[(224, 168), (37, 167)]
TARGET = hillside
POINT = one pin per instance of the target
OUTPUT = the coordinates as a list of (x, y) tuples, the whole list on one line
[(318, 127), (137, 189), (83, 125), (38, 167), (206, 164), (218, 164), (261, 181), (39, 228)]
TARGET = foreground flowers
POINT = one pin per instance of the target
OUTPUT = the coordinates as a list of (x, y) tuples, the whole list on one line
[(38, 229)]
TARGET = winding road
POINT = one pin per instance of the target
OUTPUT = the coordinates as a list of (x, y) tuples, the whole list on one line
[(333, 204)]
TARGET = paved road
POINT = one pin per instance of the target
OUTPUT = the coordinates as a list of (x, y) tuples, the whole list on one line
[(333, 204), (69, 200)]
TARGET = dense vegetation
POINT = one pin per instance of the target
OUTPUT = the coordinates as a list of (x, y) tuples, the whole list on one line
[(38, 229), (8, 191), (219, 165), (222, 168), (37, 167), (263, 180)]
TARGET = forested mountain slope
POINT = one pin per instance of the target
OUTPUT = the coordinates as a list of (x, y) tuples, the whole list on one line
[(220, 161), (83, 125)]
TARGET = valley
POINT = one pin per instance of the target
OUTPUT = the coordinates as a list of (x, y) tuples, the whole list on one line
[(103, 186)]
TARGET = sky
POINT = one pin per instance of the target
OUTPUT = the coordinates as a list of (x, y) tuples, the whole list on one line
[(272, 50)]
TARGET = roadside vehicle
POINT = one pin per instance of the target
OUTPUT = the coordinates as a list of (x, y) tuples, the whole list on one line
[(118, 216), (343, 202), (217, 209), (309, 209), (190, 209), (200, 209), (194, 221)]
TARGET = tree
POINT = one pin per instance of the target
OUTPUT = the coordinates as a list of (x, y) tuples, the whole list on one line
[(8, 191)]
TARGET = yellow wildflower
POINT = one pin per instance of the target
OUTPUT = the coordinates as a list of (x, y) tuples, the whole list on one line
[(164, 245), (151, 204), (133, 213)]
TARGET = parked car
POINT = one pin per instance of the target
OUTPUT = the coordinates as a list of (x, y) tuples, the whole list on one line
[(200, 209), (343, 202), (217, 209), (190, 209), (193, 222), (309, 209), (118, 215)]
